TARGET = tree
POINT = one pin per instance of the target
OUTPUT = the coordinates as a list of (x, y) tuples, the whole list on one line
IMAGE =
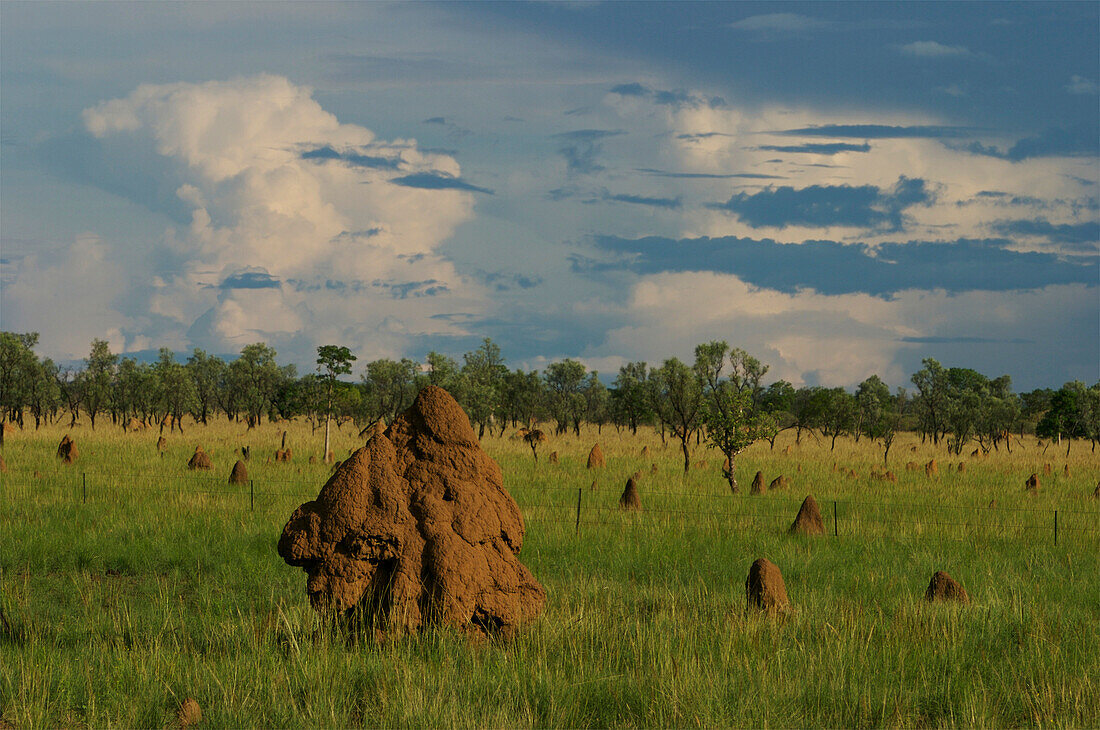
[(177, 389), (1067, 416), (807, 410), (564, 380), (838, 413), (871, 394), (630, 395), (776, 402), (332, 360), (522, 397), (932, 399), (483, 376), (389, 387), (596, 400), (677, 399), (733, 422), (18, 364), (208, 373), (255, 377), (882, 417), (44, 394), (98, 379)]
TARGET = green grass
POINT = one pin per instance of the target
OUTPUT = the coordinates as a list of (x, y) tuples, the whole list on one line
[(644, 624)]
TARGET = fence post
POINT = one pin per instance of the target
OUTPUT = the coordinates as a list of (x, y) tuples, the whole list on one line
[(251, 497), (1055, 528), (836, 530), (84, 486), (578, 526)]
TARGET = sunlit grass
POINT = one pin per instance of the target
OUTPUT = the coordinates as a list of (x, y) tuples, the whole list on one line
[(166, 584)]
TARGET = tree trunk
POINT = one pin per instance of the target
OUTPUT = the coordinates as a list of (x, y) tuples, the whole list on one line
[(730, 475), (687, 454)]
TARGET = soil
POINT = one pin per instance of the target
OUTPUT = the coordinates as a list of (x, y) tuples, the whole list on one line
[(66, 450), (758, 484), (1032, 483), (416, 529)]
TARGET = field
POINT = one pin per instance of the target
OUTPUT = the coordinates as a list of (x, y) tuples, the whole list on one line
[(130, 584)]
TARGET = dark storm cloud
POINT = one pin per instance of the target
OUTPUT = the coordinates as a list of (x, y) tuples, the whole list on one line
[(250, 280), (832, 148), (437, 181), (830, 267), (1085, 236), (1082, 140), (878, 131), (863, 206), (356, 159), (581, 149)]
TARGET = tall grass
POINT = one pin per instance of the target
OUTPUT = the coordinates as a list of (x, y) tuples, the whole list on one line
[(166, 585)]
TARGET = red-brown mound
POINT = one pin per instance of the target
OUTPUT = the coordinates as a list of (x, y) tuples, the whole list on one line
[(630, 500), (189, 713), (595, 458), (930, 468), (239, 475), (1032, 483), (780, 482), (808, 521), (764, 587), (415, 529), (553, 457), (66, 450), (758, 483), (645, 452), (200, 460), (162, 444), (944, 588)]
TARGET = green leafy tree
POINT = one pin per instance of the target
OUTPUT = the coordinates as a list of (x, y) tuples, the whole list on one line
[(44, 393), (838, 414), (256, 377), (18, 364), (177, 388), (631, 398), (881, 417), (807, 410), (777, 402), (1067, 416), (564, 382), (676, 393), (332, 361), (596, 400), (98, 379), (932, 400), (389, 387), (208, 373), (729, 411), (483, 377)]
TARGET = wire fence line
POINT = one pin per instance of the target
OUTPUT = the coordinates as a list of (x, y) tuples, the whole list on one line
[(582, 507)]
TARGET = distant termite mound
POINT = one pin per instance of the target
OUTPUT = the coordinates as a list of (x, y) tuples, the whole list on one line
[(200, 460), (595, 458), (239, 475), (630, 500), (764, 587), (416, 529), (943, 587), (808, 521)]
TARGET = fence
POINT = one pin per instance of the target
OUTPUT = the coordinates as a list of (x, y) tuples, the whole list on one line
[(584, 509)]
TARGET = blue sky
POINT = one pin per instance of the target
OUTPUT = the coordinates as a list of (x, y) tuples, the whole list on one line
[(841, 189)]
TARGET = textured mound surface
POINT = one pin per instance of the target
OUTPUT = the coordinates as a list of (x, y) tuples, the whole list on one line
[(200, 460), (239, 475), (808, 521), (630, 500), (758, 484), (945, 588), (764, 587), (415, 528), (595, 458)]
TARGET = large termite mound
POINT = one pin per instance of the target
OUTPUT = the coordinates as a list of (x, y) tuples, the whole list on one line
[(415, 529), (66, 450), (758, 484), (943, 587), (595, 457), (630, 500), (764, 587), (239, 475), (808, 521)]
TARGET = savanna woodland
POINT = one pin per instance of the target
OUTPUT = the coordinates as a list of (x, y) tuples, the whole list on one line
[(695, 544)]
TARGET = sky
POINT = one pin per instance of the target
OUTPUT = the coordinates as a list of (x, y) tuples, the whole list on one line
[(841, 189)]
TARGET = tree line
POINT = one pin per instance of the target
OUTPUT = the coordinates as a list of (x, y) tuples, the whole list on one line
[(720, 398)]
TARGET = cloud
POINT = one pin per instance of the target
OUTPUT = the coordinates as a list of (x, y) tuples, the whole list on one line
[(833, 148), (834, 268), (295, 230), (1082, 86), (437, 181), (582, 147), (668, 203), (674, 98), (1085, 236), (250, 280), (864, 206), (1082, 140), (879, 131), (932, 49), (780, 23), (811, 338), (709, 175)]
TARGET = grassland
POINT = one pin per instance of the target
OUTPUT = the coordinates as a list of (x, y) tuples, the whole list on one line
[(165, 585)]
